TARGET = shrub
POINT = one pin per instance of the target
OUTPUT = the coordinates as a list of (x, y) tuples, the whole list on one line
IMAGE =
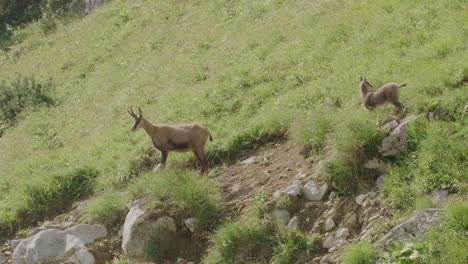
[(21, 93), (107, 208), (313, 132), (49, 198), (361, 253)]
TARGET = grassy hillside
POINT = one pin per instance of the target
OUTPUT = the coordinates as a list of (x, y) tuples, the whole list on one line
[(249, 71)]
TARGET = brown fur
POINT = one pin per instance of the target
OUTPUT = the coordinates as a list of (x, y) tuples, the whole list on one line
[(388, 93), (177, 138)]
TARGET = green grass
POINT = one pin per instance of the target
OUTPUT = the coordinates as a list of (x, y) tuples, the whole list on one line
[(43, 199), (438, 160), (249, 71), (362, 253), (251, 240), (191, 194)]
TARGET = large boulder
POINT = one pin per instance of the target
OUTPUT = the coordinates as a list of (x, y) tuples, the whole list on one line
[(418, 224), (137, 230), (52, 245)]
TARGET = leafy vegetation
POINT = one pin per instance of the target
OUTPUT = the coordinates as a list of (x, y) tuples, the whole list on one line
[(277, 244), (19, 94), (362, 253), (42, 199), (250, 71)]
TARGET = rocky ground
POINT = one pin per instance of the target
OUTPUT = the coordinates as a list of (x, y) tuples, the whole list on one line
[(282, 171)]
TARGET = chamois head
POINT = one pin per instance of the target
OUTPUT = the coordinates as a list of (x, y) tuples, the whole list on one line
[(138, 118), (365, 85)]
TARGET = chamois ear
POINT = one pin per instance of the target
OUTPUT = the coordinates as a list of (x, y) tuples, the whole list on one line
[(364, 78), (361, 78)]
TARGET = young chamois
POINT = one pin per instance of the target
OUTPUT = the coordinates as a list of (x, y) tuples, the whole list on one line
[(388, 93), (178, 138)]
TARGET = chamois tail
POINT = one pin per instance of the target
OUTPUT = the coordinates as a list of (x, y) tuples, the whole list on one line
[(402, 85)]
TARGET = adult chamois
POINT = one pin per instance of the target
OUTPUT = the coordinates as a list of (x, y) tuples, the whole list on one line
[(388, 93), (178, 138)]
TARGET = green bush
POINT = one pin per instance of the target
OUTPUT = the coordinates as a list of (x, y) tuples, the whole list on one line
[(107, 208), (361, 253), (280, 245), (50, 197), (193, 194), (21, 93), (355, 138)]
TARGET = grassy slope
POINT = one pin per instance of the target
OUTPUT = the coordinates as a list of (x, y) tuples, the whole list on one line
[(241, 68)]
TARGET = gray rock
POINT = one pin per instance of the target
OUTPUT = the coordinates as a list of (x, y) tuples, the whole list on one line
[(81, 256), (15, 243), (351, 220), (281, 215), (249, 160), (191, 224), (380, 180), (361, 198), (374, 164), (36, 230), (342, 232), (136, 231), (293, 223), (417, 225), (314, 192), (292, 189), (166, 223), (332, 242), (396, 142), (329, 224), (333, 195), (54, 245), (390, 126), (300, 176), (439, 196), (3, 258)]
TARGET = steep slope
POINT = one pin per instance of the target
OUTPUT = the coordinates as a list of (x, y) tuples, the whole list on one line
[(249, 71)]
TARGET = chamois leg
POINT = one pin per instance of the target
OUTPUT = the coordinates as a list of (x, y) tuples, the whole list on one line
[(198, 158), (398, 105), (162, 164)]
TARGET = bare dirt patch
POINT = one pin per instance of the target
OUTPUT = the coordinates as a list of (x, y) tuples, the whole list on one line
[(273, 167)]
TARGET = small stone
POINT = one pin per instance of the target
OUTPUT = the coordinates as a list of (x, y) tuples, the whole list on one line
[(292, 189), (390, 126), (430, 116), (379, 181), (439, 196), (293, 223), (314, 192), (333, 195), (360, 199), (7, 253), (191, 224), (249, 160), (300, 176), (342, 233), (351, 220), (374, 164), (329, 224), (407, 248), (288, 169)]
